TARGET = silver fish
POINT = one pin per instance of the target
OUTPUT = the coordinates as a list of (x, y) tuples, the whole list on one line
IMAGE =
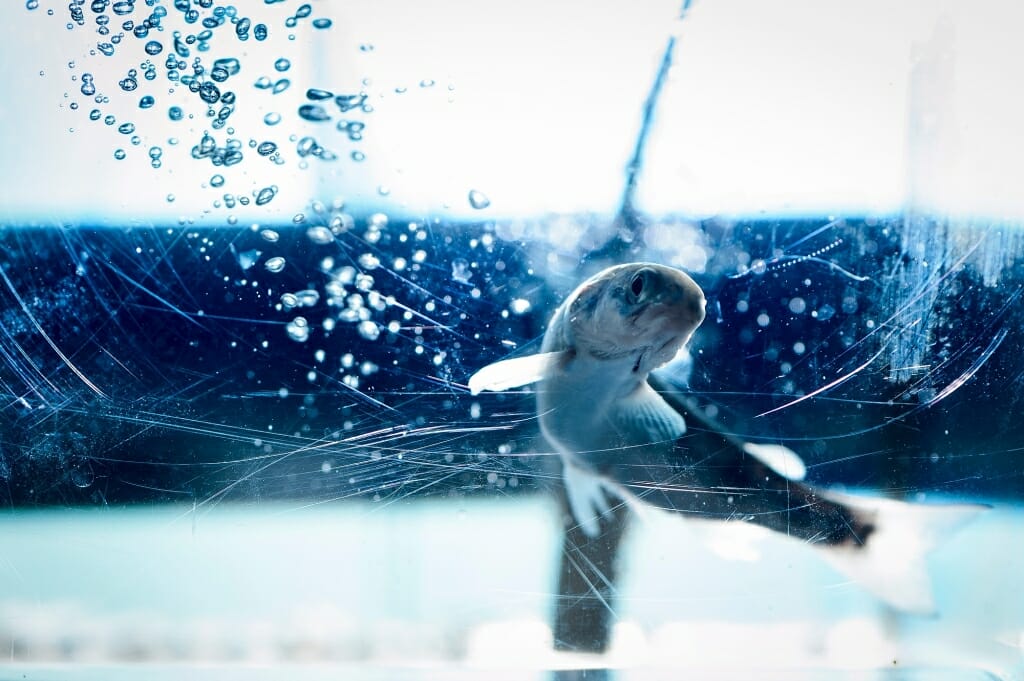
[(621, 433)]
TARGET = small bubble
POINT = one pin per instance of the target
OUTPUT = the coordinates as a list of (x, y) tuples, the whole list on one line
[(155, 152), (170, 198), (266, 148), (797, 305), (368, 330), (175, 113), (358, 156), (427, 82), (270, 235), (460, 271), (275, 264), (147, 102), (126, 128), (320, 235), (478, 199), (217, 181), (282, 64), (322, 23), (272, 118), (154, 48), (280, 86), (520, 306), (265, 196), (119, 154), (366, 47), (128, 84), (298, 329)]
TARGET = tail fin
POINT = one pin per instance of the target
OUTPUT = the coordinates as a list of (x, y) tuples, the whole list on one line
[(891, 562)]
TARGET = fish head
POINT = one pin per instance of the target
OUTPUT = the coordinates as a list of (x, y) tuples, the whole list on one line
[(641, 311)]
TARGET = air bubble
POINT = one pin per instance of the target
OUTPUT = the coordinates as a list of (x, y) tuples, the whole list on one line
[(298, 329), (265, 196), (154, 48), (275, 264), (217, 181), (272, 118), (282, 64), (368, 330), (478, 199), (320, 235)]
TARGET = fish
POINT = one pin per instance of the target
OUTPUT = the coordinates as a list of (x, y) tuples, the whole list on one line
[(621, 431)]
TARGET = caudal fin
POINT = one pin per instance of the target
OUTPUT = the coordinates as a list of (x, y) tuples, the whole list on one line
[(891, 563)]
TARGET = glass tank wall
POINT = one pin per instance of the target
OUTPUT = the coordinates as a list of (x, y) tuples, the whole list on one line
[(253, 254)]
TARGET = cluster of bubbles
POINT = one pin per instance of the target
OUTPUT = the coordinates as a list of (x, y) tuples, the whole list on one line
[(175, 37)]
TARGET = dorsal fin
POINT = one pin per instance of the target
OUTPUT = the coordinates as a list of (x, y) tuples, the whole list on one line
[(515, 372)]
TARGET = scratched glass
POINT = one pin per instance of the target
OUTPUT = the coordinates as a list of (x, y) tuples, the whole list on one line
[(323, 339)]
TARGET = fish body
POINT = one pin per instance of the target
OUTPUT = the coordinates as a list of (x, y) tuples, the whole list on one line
[(621, 432)]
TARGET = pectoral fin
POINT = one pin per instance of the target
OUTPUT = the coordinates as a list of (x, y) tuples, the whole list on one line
[(782, 460), (515, 372), (645, 417)]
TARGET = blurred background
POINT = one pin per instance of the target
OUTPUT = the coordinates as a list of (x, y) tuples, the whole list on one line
[(253, 252)]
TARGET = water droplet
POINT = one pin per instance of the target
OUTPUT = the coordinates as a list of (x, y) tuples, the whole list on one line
[(270, 235), (368, 330), (147, 102), (259, 31), (275, 264), (119, 154), (154, 48), (322, 23), (426, 82), (358, 156), (282, 64), (126, 128), (825, 312), (31, 4), (217, 181), (366, 47), (170, 198), (478, 199), (175, 113), (128, 84), (155, 152), (272, 118), (280, 86)]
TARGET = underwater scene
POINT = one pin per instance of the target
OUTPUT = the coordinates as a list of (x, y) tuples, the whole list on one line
[(395, 340)]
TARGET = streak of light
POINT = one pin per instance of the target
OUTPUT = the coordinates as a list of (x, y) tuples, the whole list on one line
[(64, 358)]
